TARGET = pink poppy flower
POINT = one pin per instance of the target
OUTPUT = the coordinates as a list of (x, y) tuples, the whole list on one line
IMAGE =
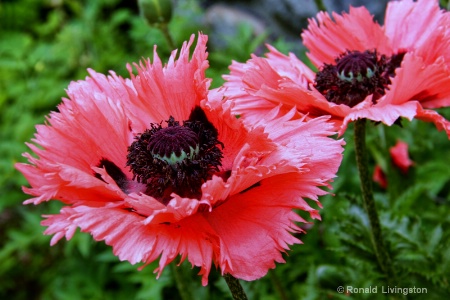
[(400, 157), (366, 70), (153, 166), (379, 177)]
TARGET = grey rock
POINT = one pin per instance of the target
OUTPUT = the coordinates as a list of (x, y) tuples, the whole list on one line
[(278, 18)]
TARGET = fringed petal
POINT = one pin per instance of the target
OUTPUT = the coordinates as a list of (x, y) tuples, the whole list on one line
[(409, 24), (432, 116), (326, 38), (387, 114), (170, 90), (431, 83), (134, 241), (255, 227)]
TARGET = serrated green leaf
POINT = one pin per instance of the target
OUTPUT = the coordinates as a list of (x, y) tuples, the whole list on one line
[(434, 239)]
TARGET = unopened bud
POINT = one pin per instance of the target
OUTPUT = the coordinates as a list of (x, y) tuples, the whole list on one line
[(156, 11)]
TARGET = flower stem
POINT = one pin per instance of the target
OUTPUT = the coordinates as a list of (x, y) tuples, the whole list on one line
[(180, 282), (235, 287), (282, 295), (165, 31), (320, 5), (378, 242)]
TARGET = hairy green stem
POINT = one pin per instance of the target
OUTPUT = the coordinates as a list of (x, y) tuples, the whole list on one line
[(180, 282), (378, 242), (235, 287), (282, 295), (165, 31), (320, 5)]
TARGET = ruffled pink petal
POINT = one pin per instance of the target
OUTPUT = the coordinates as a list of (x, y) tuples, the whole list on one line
[(302, 140), (243, 94), (100, 125), (177, 209), (295, 146), (60, 225), (290, 66), (170, 90), (256, 221), (132, 240), (327, 39), (255, 227), (256, 88), (232, 133), (431, 83), (432, 116), (387, 114), (149, 207), (112, 87), (245, 80), (263, 77), (243, 150), (246, 175), (67, 184), (400, 156), (274, 146), (438, 43), (86, 129), (410, 24)]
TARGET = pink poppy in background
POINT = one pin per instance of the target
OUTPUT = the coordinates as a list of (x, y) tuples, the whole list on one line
[(400, 157), (156, 168), (379, 177), (380, 73)]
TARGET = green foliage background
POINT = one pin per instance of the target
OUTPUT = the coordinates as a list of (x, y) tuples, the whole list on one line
[(46, 44)]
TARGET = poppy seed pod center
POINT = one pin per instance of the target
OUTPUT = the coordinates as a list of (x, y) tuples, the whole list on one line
[(176, 158), (174, 144), (356, 66), (354, 76)]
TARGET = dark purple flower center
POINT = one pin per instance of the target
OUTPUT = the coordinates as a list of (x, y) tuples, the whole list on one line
[(356, 75), (174, 144), (114, 172), (356, 66), (176, 158)]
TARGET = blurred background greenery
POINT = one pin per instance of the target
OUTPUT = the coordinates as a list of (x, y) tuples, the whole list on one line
[(46, 44)]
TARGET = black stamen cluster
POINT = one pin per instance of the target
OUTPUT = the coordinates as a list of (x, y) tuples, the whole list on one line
[(393, 63), (186, 176), (354, 76), (114, 171)]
